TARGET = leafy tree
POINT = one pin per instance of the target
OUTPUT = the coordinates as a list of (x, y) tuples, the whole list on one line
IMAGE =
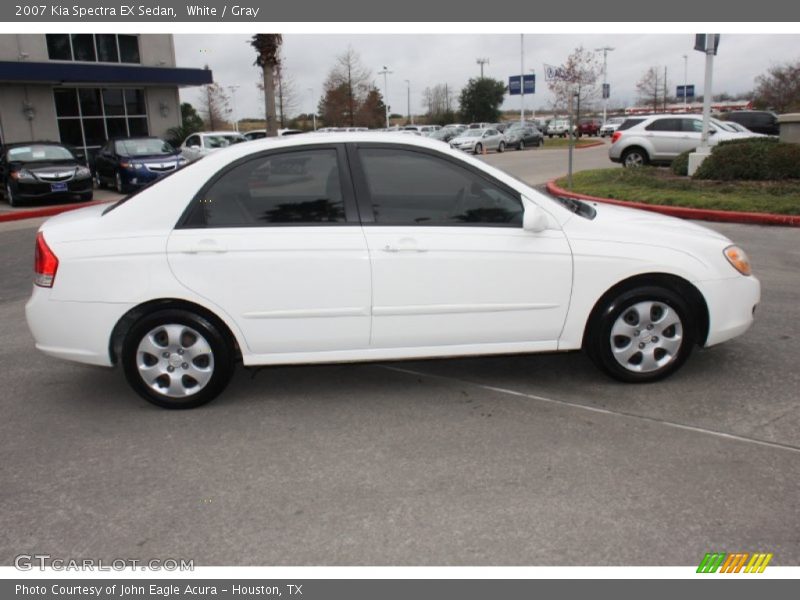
[(580, 75), (481, 99), (191, 122), (779, 88), (267, 46), (372, 112)]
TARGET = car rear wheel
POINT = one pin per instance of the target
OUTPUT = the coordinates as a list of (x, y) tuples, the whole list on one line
[(641, 335), (635, 157), (118, 185), (177, 359)]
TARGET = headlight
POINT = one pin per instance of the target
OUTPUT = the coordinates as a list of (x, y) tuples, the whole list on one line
[(738, 259), (138, 165), (182, 161), (83, 172), (22, 175)]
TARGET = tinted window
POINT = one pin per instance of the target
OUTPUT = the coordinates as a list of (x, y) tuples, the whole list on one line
[(58, 46), (413, 188), (112, 102), (90, 102), (693, 125), (293, 187), (66, 102), (666, 125), (628, 123)]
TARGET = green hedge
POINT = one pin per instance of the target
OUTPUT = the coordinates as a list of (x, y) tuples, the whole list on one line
[(755, 159), (680, 164)]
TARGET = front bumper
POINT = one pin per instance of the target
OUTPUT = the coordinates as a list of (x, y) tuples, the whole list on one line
[(142, 176), (39, 189), (731, 306)]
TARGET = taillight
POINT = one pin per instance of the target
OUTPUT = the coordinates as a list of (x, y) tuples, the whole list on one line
[(45, 263), (616, 136)]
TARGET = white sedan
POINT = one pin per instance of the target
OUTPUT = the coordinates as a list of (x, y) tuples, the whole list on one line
[(202, 144), (361, 247)]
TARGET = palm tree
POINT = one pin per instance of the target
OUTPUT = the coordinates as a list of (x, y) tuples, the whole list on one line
[(267, 47)]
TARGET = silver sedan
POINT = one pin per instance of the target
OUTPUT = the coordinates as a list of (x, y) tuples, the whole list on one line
[(479, 141)]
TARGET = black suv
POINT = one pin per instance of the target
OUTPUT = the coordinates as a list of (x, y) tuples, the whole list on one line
[(757, 121)]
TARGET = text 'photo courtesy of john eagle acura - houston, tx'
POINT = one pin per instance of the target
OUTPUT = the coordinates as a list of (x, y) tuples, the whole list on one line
[(346, 247)]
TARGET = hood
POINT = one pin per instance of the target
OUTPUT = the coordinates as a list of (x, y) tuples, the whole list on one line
[(642, 226), (153, 157), (46, 165)]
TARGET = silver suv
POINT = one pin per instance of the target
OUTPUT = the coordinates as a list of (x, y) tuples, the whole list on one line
[(660, 138)]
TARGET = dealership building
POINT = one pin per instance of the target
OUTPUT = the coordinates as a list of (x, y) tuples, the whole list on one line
[(82, 89)]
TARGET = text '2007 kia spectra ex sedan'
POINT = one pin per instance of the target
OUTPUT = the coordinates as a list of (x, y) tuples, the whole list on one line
[(360, 247)]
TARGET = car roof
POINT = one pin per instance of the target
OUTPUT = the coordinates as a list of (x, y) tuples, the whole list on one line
[(218, 133)]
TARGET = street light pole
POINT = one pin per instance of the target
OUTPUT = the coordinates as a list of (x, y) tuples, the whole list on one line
[(605, 50), (233, 89), (522, 79), (313, 110), (685, 68), (386, 72), (481, 62), (408, 101)]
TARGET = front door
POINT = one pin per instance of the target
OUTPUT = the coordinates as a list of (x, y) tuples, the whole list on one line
[(451, 264)]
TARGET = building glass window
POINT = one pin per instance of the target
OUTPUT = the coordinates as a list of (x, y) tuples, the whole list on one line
[(88, 117), (58, 47), (88, 47)]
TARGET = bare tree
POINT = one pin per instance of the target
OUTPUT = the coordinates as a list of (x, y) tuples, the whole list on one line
[(214, 106), (351, 78), (267, 46), (580, 74), (649, 88), (779, 88)]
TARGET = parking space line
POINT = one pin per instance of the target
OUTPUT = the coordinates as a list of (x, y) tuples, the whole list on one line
[(605, 411)]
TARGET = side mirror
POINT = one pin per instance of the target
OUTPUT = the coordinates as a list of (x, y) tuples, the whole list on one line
[(711, 131), (534, 219)]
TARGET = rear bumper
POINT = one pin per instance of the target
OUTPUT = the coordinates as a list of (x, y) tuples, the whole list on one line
[(731, 306), (76, 331)]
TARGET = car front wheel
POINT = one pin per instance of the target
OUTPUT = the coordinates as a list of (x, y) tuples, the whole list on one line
[(521, 145), (478, 149), (10, 197), (501, 147), (177, 359), (641, 335)]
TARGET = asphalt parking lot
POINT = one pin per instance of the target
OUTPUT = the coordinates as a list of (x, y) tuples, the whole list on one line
[(520, 460)]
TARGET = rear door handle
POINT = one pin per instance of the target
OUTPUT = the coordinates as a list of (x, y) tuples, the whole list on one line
[(206, 246), (404, 245)]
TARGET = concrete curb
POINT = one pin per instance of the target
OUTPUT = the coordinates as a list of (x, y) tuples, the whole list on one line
[(726, 216), (47, 211)]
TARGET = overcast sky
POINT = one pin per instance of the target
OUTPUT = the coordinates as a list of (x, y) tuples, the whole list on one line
[(427, 60)]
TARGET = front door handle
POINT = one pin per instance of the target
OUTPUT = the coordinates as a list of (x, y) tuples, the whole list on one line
[(404, 245), (206, 246)]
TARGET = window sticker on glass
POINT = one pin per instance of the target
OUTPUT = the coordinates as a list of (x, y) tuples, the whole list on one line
[(19, 151), (39, 154)]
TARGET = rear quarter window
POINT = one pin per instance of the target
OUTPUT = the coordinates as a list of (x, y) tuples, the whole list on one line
[(628, 123)]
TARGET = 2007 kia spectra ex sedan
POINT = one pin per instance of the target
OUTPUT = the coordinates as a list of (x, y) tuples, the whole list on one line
[(359, 247)]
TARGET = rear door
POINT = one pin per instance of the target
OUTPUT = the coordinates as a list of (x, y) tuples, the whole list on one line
[(666, 136), (274, 241)]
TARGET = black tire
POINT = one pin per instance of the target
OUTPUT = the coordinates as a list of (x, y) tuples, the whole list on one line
[(521, 145), (635, 157), (98, 181), (118, 185), (541, 142), (220, 363), (600, 343), (501, 147), (11, 198), (478, 149)]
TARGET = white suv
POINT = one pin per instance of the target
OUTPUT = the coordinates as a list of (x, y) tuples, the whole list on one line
[(660, 138)]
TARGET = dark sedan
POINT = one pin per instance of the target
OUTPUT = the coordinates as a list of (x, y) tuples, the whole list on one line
[(42, 170), (523, 137), (129, 163)]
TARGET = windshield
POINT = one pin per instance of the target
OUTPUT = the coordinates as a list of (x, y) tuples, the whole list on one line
[(37, 152), (143, 147), (221, 141)]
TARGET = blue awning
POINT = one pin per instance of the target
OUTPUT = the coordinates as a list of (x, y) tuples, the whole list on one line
[(91, 73)]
